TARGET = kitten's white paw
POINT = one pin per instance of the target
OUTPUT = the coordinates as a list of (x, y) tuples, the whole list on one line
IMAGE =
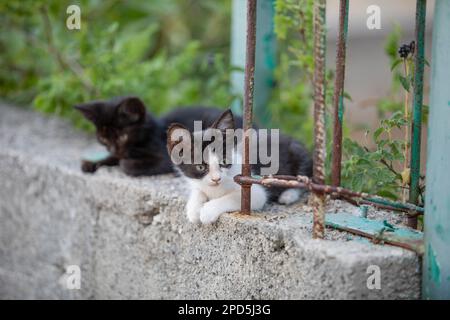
[(209, 214), (193, 214), (289, 196)]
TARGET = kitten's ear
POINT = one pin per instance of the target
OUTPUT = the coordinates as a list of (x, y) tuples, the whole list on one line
[(88, 110), (132, 109), (176, 134), (225, 121)]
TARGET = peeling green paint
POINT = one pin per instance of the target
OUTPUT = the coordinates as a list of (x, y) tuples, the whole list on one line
[(389, 227), (441, 232), (341, 109), (363, 210), (434, 270)]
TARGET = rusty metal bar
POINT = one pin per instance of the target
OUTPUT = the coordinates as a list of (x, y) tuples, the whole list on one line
[(318, 199), (248, 102), (421, 7), (395, 206), (298, 182), (415, 245), (304, 182), (338, 104)]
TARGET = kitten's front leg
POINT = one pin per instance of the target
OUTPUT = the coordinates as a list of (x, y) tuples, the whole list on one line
[(212, 210), (90, 166), (194, 204)]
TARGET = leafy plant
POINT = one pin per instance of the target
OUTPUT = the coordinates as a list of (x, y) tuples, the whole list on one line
[(373, 171), (385, 170), (157, 50)]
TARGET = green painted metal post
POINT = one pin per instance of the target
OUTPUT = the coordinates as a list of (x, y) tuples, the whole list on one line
[(436, 267), (417, 106), (265, 56)]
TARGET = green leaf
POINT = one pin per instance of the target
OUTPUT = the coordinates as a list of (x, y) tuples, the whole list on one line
[(405, 83), (347, 96), (395, 64), (425, 113), (377, 133), (392, 42)]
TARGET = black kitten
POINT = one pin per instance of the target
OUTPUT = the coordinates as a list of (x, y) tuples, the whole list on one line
[(133, 137)]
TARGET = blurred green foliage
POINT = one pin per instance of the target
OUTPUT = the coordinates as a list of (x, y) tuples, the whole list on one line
[(293, 94), (292, 100), (373, 171), (171, 52)]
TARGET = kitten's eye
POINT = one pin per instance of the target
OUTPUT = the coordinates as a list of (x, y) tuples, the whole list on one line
[(200, 167), (225, 165)]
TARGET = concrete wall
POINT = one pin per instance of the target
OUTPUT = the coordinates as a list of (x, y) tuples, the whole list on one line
[(132, 240)]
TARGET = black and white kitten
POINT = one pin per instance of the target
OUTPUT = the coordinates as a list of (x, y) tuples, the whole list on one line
[(212, 187), (135, 139)]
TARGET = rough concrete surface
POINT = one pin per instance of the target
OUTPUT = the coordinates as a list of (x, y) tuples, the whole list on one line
[(132, 240)]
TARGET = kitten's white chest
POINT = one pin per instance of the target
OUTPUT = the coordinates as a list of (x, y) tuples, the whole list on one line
[(217, 191)]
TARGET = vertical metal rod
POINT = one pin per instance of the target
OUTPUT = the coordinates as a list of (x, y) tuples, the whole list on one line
[(248, 102), (421, 7), (338, 102), (436, 260), (319, 115)]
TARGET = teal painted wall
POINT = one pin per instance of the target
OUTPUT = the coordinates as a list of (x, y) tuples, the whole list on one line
[(265, 56), (436, 262)]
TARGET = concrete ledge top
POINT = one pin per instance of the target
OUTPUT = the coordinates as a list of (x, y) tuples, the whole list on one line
[(32, 143)]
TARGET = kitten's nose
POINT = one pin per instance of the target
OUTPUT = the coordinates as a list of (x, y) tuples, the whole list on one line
[(216, 180)]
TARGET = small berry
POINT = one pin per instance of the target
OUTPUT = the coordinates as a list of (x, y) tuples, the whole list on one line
[(405, 50)]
